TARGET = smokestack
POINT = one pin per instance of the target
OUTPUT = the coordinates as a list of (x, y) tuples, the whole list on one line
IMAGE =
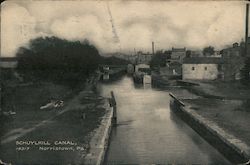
[(153, 48), (246, 28)]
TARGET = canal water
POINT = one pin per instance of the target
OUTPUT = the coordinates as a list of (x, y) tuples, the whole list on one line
[(149, 133)]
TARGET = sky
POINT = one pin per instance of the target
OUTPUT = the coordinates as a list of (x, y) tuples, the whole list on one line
[(134, 25)]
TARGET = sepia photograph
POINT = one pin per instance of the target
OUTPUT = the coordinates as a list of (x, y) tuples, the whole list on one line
[(125, 82)]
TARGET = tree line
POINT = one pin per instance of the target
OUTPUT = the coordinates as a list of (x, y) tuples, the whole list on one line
[(59, 60)]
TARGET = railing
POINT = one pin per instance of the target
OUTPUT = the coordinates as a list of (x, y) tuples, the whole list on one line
[(177, 100)]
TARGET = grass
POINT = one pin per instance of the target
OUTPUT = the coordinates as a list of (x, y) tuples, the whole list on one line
[(222, 90), (69, 126), (66, 127), (26, 102), (245, 106), (197, 91)]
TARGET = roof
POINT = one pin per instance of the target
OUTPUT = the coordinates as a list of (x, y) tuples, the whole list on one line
[(142, 66), (145, 54), (8, 59), (202, 60), (238, 48)]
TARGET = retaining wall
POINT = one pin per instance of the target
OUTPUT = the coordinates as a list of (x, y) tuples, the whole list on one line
[(100, 140), (232, 148)]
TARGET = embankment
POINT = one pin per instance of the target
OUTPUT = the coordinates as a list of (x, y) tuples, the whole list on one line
[(100, 140), (232, 148)]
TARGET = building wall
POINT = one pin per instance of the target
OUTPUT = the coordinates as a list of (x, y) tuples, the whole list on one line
[(231, 52), (233, 62), (178, 55), (8, 64), (132, 59), (232, 67), (144, 59), (196, 53), (199, 72)]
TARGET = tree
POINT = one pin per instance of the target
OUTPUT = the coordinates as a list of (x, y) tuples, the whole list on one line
[(167, 53), (188, 53), (159, 59), (114, 61), (60, 61), (208, 50), (57, 60)]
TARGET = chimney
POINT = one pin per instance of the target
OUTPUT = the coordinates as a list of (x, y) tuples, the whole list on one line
[(153, 48), (246, 28)]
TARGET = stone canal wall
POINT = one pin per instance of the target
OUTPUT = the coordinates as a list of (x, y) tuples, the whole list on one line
[(100, 140), (232, 148), (105, 139)]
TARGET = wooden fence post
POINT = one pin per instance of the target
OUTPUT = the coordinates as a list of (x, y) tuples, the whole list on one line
[(113, 104)]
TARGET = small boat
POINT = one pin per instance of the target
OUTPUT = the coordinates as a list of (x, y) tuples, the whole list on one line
[(142, 74)]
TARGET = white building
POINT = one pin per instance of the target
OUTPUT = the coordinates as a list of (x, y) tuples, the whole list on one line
[(202, 68)]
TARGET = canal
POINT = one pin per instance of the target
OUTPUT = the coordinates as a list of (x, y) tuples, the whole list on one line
[(148, 132)]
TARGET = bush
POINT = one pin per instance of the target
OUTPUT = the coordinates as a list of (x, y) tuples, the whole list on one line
[(159, 59)]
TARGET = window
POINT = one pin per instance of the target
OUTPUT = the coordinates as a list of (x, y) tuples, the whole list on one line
[(193, 68), (205, 68)]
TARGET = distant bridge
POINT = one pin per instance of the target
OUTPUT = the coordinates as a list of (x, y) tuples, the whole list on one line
[(112, 69)]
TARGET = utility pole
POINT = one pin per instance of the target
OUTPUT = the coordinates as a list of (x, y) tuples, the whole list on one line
[(246, 28)]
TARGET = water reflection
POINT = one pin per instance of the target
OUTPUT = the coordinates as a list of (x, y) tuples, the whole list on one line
[(148, 132)]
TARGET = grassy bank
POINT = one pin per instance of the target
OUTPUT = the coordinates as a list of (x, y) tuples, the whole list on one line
[(233, 90), (74, 122), (27, 100)]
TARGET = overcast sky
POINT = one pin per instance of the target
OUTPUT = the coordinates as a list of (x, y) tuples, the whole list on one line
[(136, 24)]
